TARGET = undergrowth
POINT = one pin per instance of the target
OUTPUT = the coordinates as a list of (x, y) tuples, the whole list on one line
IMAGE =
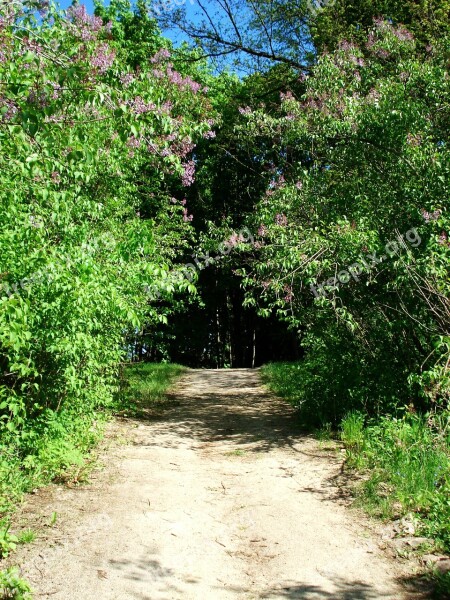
[(407, 463)]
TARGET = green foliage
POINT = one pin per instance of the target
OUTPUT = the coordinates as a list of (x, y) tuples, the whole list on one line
[(13, 587), (95, 141), (365, 162), (285, 380), (442, 584), (51, 447), (325, 385), (8, 542), (408, 466)]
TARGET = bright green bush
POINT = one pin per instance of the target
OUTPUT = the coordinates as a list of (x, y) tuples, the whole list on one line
[(96, 145), (353, 245)]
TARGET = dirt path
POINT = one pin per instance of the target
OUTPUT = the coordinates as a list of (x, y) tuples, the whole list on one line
[(218, 499)]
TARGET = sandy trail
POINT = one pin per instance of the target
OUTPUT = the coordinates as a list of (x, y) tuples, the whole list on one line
[(219, 498)]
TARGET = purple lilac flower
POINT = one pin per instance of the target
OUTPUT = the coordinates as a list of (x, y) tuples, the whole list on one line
[(382, 53), (167, 106), (186, 217), (402, 34), (103, 58), (139, 106), (414, 140), (175, 77), (186, 82), (11, 109), (56, 90), (43, 7), (371, 40), (380, 23), (345, 45), (289, 293), (434, 216), (134, 142), (286, 96), (235, 239), (281, 220), (86, 34), (277, 184), (89, 25), (96, 23), (78, 14), (374, 95), (160, 55), (183, 148), (188, 176), (443, 239), (126, 79), (193, 85), (32, 46)]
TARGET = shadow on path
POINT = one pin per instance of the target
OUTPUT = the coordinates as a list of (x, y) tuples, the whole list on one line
[(226, 406)]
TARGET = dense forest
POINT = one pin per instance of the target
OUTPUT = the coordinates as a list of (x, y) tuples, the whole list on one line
[(273, 188)]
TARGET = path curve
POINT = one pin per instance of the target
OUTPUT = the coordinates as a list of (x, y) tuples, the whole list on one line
[(220, 498)]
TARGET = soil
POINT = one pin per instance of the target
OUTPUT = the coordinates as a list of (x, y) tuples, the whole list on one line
[(220, 496)]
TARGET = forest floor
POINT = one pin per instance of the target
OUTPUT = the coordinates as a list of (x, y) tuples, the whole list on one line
[(217, 496)]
